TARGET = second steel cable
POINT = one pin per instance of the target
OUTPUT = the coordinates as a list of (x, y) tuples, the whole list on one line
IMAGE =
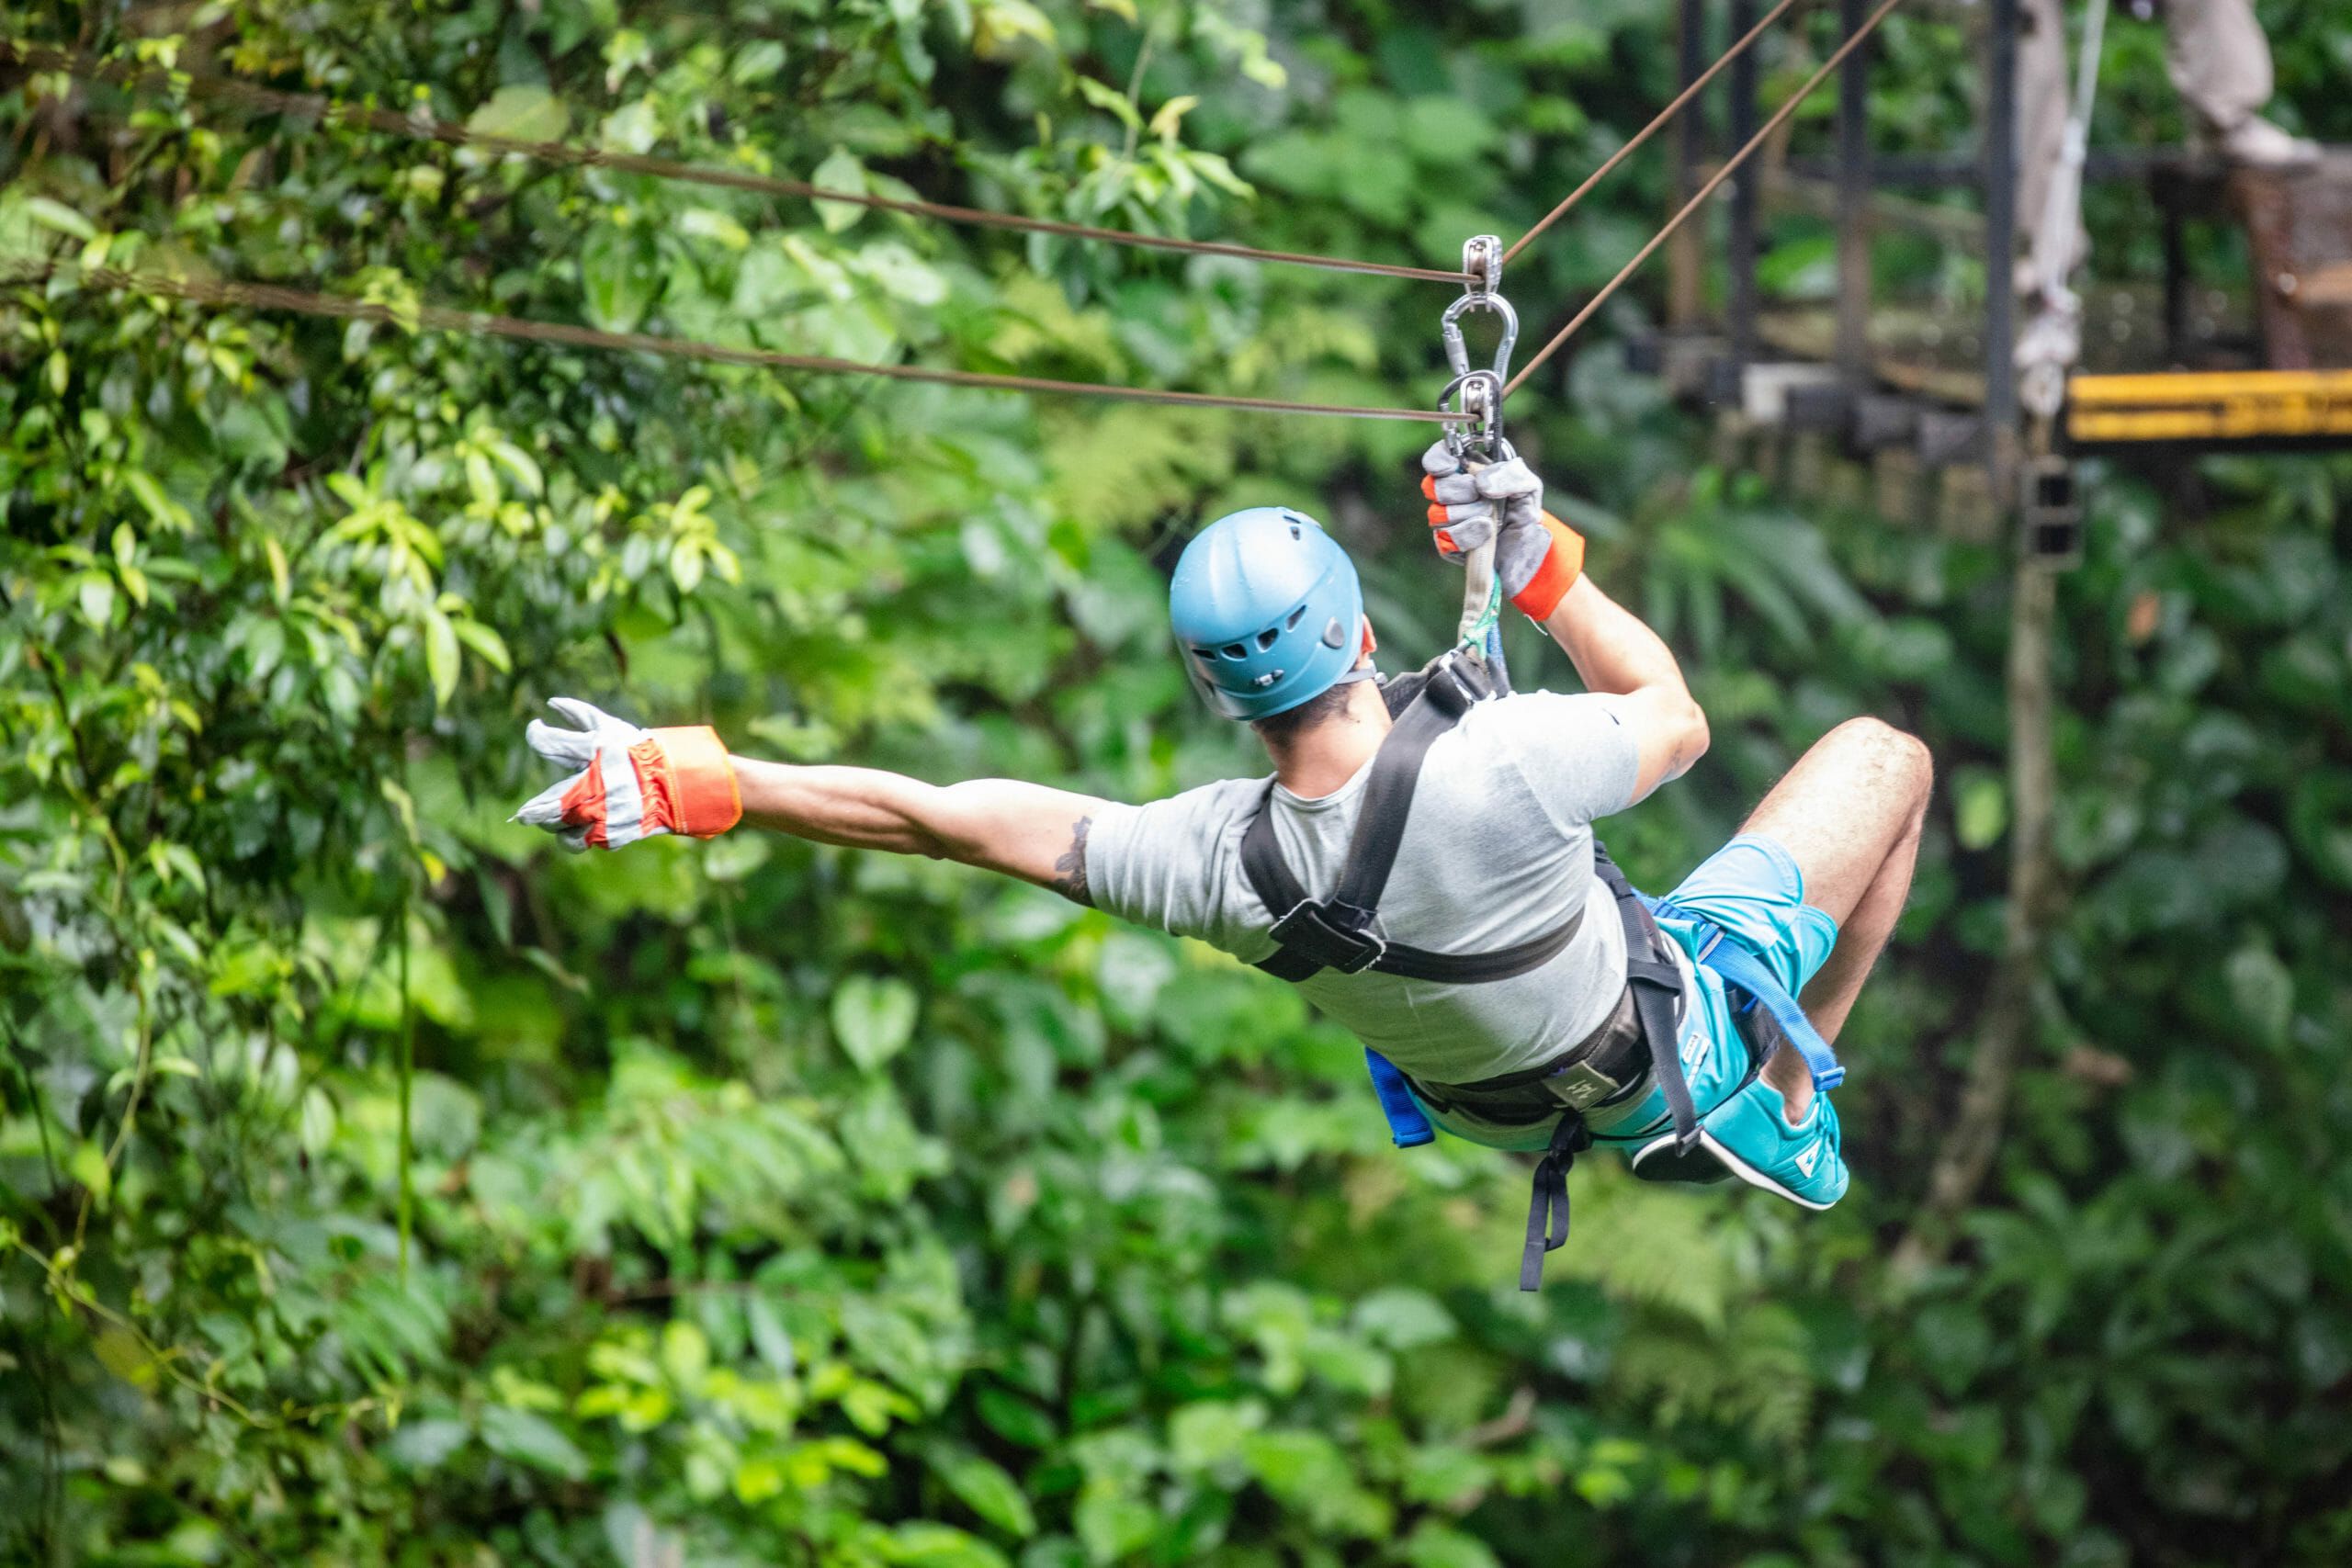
[(1745, 151)]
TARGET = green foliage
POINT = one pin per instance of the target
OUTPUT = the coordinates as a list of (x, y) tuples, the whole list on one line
[(377, 1183)]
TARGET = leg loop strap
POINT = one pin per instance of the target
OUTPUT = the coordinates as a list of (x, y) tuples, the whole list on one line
[(1547, 1206)]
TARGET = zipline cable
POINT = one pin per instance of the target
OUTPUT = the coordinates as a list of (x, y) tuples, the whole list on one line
[(1747, 149), (419, 127), (439, 318), (1657, 124)]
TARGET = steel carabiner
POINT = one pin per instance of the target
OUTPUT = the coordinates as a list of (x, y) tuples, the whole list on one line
[(1481, 392), (1482, 264), (1474, 426)]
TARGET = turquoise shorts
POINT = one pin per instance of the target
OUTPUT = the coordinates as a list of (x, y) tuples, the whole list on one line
[(1754, 891)]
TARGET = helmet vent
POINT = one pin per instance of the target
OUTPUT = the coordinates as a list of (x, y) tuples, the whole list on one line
[(1266, 639), (1235, 651), (1296, 616), (1294, 533)]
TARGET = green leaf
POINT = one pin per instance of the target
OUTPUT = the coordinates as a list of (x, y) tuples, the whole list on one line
[(756, 62), (709, 224), (1103, 96), (96, 597), (1113, 1525), (1980, 807), (2263, 992), (531, 1441), (521, 113), (616, 279), (1170, 120), (441, 658), (88, 1164), (425, 1445), (485, 642), (986, 1489), (840, 171), (874, 1020), (1403, 1318), (58, 216)]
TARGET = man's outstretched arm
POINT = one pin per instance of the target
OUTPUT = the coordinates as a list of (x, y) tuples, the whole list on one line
[(630, 784), (1026, 830)]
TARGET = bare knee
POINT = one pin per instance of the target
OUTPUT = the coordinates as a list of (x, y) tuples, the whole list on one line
[(1897, 759)]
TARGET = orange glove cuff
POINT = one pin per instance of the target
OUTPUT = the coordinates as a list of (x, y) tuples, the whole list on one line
[(703, 799), (1563, 564)]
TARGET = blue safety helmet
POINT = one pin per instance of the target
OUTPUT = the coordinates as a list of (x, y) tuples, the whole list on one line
[(1267, 611)]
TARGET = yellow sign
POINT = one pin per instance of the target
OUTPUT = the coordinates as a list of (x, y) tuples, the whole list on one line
[(2221, 405)]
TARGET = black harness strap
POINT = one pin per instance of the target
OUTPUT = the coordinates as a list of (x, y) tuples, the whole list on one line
[(1657, 982), (1547, 1210), (1654, 982), (1335, 933)]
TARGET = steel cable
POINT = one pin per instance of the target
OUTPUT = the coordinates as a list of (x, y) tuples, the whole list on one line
[(419, 127), (1658, 123), (439, 318), (1745, 151)]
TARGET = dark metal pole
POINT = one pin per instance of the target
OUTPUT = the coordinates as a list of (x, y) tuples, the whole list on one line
[(1741, 292), (1853, 201), (2000, 241), (2168, 199), (1684, 258)]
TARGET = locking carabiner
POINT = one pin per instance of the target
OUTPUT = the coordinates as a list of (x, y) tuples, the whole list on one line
[(1473, 404), (1482, 263), (1481, 390)]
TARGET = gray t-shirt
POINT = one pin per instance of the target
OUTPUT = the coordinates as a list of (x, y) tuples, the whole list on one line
[(1498, 846)]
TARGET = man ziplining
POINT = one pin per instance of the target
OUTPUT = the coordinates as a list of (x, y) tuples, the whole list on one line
[(1422, 862)]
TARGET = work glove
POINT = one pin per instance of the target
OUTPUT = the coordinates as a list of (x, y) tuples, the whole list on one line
[(630, 784), (1537, 556)]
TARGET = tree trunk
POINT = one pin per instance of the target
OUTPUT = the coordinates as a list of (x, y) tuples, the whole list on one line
[(2006, 1025)]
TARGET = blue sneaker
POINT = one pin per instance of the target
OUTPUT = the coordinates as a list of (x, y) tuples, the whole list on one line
[(1750, 1137)]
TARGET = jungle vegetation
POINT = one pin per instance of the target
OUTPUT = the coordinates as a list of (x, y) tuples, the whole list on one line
[(379, 1183)]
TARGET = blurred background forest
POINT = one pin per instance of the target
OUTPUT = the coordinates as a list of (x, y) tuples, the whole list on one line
[(379, 1183)]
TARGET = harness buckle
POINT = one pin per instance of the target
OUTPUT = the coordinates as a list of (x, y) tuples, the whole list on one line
[(1310, 931)]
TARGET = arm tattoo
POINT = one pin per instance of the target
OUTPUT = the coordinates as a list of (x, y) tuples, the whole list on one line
[(1069, 871)]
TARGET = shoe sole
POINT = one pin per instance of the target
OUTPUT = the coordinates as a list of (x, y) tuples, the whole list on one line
[(1738, 1168)]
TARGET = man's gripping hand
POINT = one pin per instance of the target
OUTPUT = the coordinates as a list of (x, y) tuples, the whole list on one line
[(1537, 556), (630, 784)]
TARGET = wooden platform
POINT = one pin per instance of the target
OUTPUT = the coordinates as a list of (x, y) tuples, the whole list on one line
[(1934, 354)]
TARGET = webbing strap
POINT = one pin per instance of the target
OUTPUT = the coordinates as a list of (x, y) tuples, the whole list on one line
[(1548, 1210), (1315, 934), (1388, 793), (1409, 1125), (1743, 971), (1656, 981)]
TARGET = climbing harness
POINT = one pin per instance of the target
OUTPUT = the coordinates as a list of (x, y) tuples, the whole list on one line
[(1640, 1036), (1315, 934)]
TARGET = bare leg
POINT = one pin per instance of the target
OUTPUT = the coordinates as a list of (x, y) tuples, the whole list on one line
[(1849, 812)]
